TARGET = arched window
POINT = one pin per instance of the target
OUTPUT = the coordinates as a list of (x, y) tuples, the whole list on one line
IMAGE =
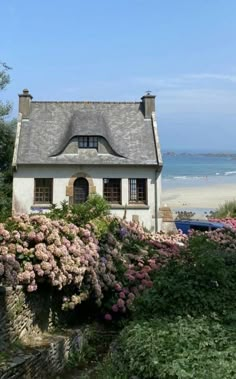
[(81, 189)]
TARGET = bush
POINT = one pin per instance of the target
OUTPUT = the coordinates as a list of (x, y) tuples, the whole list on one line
[(228, 209), (110, 272), (5, 195), (184, 349), (200, 280), (81, 214)]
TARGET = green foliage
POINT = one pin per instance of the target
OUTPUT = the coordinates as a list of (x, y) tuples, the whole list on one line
[(4, 81), (7, 133), (81, 214), (228, 209), (94, 343), (101, 226), (105, 370), (183, 349), (87, 351), (200, 280)]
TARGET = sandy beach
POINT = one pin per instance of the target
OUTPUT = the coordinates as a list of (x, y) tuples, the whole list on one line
[(206, 197)]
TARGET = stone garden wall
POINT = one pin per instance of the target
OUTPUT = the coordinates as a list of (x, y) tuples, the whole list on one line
[(22, 314), (26, 320), (43, 361)]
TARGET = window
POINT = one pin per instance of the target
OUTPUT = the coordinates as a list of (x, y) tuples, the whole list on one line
[(88, 142), (138, 190), (112, 190), (81, 190), (43, 191)]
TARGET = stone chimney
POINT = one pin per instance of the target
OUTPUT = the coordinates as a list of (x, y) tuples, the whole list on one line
[(24, 103), (148, 101)]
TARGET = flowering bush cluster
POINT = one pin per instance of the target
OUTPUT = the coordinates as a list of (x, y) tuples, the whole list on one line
[(112, 271), (37, 249), (200, 279), (228, 221), (135, 254)]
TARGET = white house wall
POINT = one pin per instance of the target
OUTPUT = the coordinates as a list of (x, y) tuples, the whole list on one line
[(23, 188)]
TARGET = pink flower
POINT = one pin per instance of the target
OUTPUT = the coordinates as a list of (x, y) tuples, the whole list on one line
[(28, 266), (16, 234), (147, 283), (118, 287), (31, 288), (1, 269), (115, 308), (120, 303), (131, 278), (108, 317), (122, 295), (19, 248), (139, 275)]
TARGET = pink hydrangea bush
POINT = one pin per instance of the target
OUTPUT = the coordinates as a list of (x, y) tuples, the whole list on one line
[(228, 221), (224, 238), (51, 251), (133, 255), (111, 271)]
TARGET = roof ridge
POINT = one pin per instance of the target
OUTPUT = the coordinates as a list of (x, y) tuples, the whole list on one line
[(89, 102)]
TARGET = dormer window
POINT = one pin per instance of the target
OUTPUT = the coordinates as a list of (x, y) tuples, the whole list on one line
[(90, 142)]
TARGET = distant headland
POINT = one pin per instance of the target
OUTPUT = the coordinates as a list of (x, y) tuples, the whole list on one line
[(212, 154)]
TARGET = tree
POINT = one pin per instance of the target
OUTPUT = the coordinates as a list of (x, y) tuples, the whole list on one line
[(7, 133)]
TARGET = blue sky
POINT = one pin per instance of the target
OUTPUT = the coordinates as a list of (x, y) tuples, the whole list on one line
[(181, 50)]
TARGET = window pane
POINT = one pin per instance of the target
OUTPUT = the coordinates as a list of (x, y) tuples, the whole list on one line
[(43, 191), (88, 142), (112, 190), (83, 142), (133, 189), (138, 190)]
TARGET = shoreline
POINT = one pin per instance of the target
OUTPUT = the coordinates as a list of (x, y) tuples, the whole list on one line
[(201, 198)]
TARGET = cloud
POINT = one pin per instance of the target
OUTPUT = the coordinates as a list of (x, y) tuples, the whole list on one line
[(186, 80), (203, 93), (221, 77)]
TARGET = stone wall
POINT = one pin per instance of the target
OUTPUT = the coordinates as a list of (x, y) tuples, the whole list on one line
[(27, 348), (22, 313), (42, 361)]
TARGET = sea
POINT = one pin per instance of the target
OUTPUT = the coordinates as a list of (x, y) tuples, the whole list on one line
[(191, 169)]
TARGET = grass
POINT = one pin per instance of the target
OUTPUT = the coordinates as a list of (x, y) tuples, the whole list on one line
[(228, 209)]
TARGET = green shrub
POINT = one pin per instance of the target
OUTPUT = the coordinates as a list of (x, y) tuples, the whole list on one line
[(81, 214), (5, 195), (106, 370), (199, 281), (228, 209), (184, 349)]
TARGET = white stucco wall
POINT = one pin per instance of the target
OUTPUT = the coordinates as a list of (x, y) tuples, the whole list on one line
[(23, 188)]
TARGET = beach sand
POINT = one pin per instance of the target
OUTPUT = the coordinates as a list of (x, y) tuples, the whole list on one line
[(203, 199)]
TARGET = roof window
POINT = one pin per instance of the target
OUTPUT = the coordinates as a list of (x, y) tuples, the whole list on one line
[(86, 142)]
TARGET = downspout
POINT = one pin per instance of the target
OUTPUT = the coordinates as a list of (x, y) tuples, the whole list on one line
[(156, 210), (160, 165)]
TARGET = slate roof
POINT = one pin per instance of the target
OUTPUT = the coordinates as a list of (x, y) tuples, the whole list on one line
[(51, 125)]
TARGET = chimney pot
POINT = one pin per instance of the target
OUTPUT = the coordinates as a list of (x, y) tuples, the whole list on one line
[(24, 103), (148, 101)]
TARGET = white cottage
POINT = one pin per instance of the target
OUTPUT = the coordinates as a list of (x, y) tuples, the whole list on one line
[(68, 150)]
